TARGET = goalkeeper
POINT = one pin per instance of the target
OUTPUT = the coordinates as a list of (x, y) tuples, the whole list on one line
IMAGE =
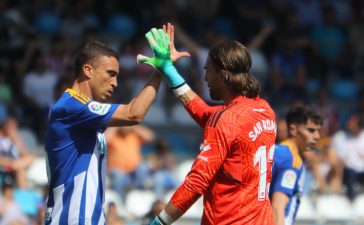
[(233, 169)]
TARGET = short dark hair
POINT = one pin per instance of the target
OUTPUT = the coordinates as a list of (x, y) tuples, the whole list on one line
[(234, 59), (300, 114), (91, 51)]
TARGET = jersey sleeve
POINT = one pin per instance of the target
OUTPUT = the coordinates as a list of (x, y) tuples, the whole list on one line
[(286, 178), (200, 111), (92, 115), (213, 151)]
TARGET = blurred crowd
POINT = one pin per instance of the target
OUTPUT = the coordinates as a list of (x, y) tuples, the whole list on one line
[(304, 51)]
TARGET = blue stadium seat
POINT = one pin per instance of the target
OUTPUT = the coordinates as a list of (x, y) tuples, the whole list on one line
[(345, 90), (120, 25), (225, 26), (178, 143), (48, 23)]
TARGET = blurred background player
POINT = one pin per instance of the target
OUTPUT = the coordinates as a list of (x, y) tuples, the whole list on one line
[(126, 166), (233, 167), (303, 126), (349, 145)]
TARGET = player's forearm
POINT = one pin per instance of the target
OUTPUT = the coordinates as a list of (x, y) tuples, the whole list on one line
[(278, 218), (187, 97), (134, 112), (140, 104), (173, 211), (278, 215)]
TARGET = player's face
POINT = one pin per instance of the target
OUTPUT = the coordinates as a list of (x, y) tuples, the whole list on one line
[(308, 135), (103, 79), (212, 77)]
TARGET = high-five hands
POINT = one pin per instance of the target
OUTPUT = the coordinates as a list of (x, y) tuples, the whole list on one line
[(162, 43), (175, 55), (159, 41)]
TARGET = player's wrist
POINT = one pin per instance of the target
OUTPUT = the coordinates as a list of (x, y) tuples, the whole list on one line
[(172, 77), (181, 90), (164, 218)]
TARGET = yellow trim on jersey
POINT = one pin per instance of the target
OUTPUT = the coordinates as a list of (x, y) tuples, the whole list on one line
[(80, 97), (297, 160)]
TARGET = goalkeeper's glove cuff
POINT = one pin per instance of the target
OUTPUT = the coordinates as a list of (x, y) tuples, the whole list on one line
[(173, 78), (162, 219), (157, 221), (180, 90)]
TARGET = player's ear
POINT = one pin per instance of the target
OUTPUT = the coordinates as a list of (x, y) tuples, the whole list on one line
[(292, 129), (87, 70), (224, 76)]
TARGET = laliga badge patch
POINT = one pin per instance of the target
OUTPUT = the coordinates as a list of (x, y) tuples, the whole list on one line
[(99, 108), (289, 179)]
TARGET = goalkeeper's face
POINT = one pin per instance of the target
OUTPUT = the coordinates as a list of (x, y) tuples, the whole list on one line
[(103, 78), (214, 81)]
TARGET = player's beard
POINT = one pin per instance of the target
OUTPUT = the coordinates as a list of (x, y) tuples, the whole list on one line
[(215, 94)]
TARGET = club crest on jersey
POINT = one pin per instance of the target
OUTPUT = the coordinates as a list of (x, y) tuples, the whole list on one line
[(204, 146), (289, 179), (99, 108)]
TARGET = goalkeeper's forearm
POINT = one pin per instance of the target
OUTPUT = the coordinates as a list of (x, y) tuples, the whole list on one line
[(178, 84)]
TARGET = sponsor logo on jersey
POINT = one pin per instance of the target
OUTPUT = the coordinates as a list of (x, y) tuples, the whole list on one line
[(204, 146), (289, 179), (99, 108), (203, 158)]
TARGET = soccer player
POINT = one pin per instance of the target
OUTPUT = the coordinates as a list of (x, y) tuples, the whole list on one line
[(303, 126), (233, 169), (75, 143)]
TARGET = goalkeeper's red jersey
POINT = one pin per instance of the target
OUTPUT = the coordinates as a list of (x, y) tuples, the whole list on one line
[(233, 169)]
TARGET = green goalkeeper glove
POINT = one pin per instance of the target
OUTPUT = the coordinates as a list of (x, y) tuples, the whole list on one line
[(160, 44)]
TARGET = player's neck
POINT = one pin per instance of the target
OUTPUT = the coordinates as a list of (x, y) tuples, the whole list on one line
[(82, 87), (293, 143), (228, 97)]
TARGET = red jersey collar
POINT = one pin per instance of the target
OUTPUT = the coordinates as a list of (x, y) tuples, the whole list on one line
[(240, 98)]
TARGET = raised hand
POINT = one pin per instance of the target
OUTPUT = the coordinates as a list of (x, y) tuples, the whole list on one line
[(160, 43), (175, 55)]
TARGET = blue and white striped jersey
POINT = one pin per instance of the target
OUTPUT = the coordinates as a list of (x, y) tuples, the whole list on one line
[(76, 148), (288, 177)]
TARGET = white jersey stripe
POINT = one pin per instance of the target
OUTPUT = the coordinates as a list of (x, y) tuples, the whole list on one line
[(57, 209), (92, 183), (75, 204), (101, 220)]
